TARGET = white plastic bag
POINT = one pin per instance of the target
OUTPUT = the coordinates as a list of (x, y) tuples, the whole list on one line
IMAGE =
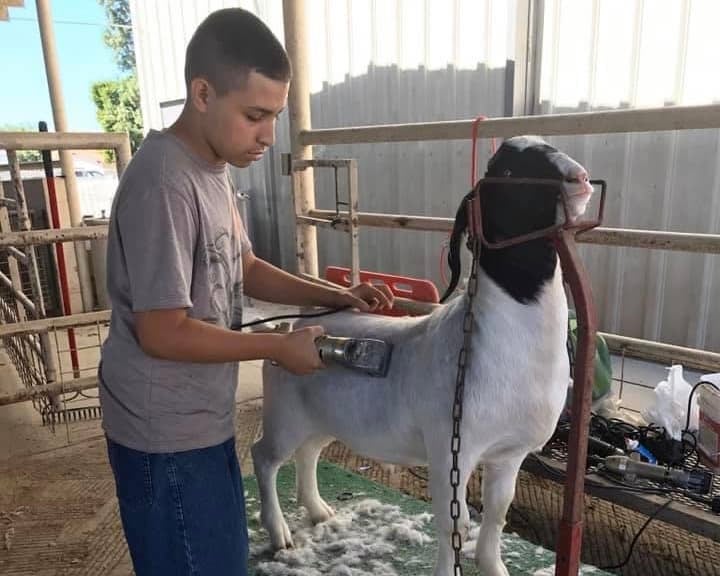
[(669, 408), (610, 406)]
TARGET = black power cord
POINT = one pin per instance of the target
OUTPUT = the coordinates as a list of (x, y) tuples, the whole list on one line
[(418, 476), (290, 317), (637, 537)]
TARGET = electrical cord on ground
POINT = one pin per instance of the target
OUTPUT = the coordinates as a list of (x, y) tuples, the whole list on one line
[(650, 518), (524, 517), (418, 476)]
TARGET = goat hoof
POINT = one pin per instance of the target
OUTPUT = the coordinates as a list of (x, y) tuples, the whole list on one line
[(280, 536), (321, 512), (491, 568)]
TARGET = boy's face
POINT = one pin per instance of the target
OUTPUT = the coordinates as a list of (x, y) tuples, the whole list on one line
[(240, 125)]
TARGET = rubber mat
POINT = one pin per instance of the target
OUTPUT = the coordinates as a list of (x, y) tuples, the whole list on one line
[(391, 543)]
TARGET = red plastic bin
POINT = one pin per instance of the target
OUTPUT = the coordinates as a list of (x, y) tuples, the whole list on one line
[(402, 286)]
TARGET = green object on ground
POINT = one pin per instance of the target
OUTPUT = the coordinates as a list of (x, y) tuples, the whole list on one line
[(602, 382)]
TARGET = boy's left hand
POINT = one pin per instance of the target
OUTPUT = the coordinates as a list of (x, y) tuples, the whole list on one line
[(367, 298)]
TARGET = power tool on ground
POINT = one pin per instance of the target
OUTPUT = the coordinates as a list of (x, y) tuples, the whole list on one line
[(699, 481)]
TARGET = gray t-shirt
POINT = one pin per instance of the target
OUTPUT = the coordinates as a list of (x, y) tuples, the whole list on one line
[(176, 241)]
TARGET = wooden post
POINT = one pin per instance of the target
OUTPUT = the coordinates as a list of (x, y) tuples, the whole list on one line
[(303, 183), (122, 156)]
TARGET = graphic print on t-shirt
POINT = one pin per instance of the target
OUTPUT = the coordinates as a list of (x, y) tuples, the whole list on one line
[(223, 260)]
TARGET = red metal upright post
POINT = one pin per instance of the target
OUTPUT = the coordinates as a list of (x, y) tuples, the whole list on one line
[(570, 538), (60, 253)]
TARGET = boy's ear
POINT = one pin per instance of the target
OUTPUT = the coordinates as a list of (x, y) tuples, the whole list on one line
[(200, 92)]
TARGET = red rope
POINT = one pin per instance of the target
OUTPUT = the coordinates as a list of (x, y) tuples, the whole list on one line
[(473, 180)]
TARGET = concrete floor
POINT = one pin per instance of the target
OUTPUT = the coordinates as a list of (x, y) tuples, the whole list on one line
[(58, 512)]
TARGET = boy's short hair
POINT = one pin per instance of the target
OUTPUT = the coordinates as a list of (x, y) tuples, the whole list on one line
[(228, 45)]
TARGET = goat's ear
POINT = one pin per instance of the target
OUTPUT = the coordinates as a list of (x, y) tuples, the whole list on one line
[(453, 257)]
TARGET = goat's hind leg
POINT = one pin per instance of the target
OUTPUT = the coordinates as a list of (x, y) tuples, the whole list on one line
[(498, 490), (306, 459), (275, 447)]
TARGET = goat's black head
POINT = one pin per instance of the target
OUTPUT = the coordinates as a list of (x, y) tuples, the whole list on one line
[(511, 210)]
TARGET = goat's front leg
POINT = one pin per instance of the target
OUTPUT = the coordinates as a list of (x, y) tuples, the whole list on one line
[(441, 494), (267, 461), (306, 458), (498, 490)]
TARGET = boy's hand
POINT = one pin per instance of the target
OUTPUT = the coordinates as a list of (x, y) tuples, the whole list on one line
[(298, 353), (366, 297)]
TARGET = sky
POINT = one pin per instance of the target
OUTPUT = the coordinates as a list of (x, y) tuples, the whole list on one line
[(83, 60)]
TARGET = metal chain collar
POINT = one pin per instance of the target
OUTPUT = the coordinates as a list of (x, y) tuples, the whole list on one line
[(468, 321)]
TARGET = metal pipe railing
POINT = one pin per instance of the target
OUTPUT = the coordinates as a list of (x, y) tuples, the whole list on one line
[(28, 238), (34, 237), (605, 122), (628, 238), (19, 295), (115, 141)]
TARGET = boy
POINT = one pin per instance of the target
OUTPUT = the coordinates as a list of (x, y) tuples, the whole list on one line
[(178, 262)]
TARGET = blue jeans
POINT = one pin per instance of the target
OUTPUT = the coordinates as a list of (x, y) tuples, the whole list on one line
[(183, 513)]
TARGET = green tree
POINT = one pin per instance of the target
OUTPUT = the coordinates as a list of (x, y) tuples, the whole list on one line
[(118, 101), (118, 34), (118, 107), (23, 155)]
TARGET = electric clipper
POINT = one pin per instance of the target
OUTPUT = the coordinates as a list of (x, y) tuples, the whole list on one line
[(367, 355)]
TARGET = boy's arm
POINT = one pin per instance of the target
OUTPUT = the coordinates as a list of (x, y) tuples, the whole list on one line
[(266, 282), (172, 335), (158, 233)]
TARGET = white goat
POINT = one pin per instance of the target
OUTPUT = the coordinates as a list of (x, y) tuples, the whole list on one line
[(515, 386)]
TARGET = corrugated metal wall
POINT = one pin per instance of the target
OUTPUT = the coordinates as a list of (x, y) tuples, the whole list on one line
[(389, 61), (628, 54)]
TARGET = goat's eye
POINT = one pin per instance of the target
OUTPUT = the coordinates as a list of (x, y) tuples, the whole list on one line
[(577, 180)]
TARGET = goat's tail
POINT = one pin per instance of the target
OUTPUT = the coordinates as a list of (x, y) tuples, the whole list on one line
[(453, 258)]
